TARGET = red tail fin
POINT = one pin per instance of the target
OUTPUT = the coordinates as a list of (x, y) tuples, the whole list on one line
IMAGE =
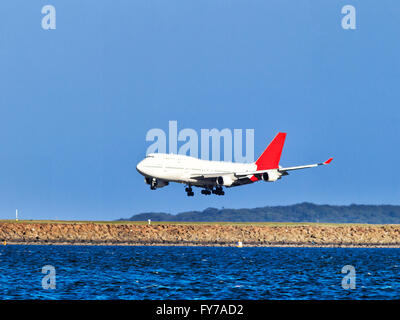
[(271, 156)]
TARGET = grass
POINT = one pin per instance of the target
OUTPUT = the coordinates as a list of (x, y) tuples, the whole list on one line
[(277, 224)]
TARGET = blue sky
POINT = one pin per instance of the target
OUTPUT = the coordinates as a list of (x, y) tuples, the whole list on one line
[(76, 102)]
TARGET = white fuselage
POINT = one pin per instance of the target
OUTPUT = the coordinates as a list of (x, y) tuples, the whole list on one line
[(181, 169)]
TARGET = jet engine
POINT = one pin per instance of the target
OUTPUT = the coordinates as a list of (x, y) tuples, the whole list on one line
[(226, 181), (155, 183), (269, 176), (162, 183), (265, 176)]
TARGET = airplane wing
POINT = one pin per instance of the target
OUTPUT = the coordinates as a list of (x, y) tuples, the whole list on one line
[(210, 175), (251, 173), (306, 166), (281, 170)]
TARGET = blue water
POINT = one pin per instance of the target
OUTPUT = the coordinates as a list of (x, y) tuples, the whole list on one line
[(128, 272)]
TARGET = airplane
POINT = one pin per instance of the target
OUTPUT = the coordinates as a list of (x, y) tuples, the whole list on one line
[(159, 169)]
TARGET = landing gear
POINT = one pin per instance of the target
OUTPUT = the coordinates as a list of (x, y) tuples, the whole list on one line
[(189, 191), (206, 191), (218, 191), (153, 184)]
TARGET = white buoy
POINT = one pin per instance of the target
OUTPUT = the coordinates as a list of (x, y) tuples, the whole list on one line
[(149, 221), (16, 214), (239, 244)]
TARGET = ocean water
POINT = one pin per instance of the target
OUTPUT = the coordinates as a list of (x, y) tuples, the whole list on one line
[(129, 272)]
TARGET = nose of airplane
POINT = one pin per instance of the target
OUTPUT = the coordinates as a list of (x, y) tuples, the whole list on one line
[(139, 167)]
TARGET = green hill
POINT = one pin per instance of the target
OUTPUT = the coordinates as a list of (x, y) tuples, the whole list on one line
[(302, 212)]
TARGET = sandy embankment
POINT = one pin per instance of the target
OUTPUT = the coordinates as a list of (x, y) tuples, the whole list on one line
[(201, 234)]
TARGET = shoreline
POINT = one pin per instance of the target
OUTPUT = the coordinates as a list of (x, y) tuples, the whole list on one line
[(271, 245), (200, 234)]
